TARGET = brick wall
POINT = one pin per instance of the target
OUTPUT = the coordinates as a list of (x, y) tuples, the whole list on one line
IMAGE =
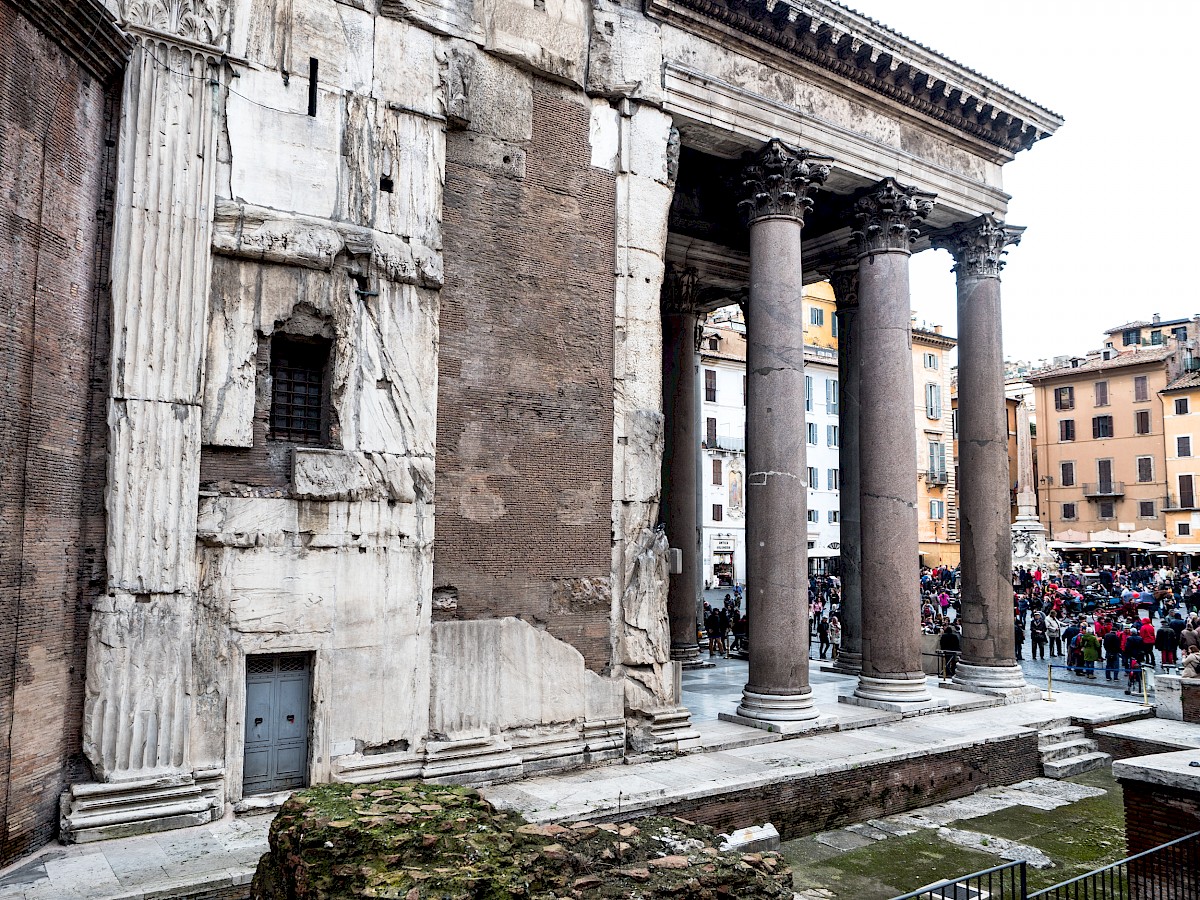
[(837, 799), (525, 391), (1126, 748), (57, 128), (1190, 696), (1155, 815)]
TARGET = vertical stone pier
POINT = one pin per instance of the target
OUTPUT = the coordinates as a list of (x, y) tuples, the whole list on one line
[(777, 696), (989, 659), (891, 610), (681, 457), (845, 288)]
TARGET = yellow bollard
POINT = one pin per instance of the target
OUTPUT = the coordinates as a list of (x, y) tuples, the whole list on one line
[(1050, 683)]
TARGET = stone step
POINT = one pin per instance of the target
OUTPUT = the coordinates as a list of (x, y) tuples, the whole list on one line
[(1076, 765), (1051, 736), (1068, 749)]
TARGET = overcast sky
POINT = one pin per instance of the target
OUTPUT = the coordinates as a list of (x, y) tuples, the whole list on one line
[(1107, 199)]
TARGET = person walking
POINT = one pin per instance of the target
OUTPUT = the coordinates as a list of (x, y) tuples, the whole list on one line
[(835, 637), (1090, 646), (1166, 642), (1018, 636), (823, 636), (950, 646), (1112, 655)]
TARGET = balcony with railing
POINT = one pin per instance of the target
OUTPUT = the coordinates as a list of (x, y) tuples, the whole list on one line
[(1104, 489), (937, 476), (1176, 503), (732, 443)]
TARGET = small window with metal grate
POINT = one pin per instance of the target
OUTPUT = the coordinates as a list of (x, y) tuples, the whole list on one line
[(299, 406)]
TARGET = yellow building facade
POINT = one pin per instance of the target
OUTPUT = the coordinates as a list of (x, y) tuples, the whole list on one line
[(1181, 439), (937, 509)]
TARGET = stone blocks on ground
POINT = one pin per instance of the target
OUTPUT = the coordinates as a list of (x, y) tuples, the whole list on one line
[(412, 840)]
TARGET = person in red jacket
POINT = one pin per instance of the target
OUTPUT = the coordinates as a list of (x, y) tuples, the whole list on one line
[(1148, 634)]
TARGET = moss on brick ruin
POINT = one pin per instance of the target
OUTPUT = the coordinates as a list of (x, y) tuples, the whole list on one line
[(411, 841)]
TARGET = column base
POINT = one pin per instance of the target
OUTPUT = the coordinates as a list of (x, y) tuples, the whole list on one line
[(893, 690), (688, 656), (846, 663), (775, 709), (1000, 681), (97, 812)]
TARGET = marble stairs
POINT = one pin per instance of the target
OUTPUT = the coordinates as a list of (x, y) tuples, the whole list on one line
[(1066, 751)]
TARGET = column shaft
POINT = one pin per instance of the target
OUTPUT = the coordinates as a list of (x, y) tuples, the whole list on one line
[(891, 610), (776, 479), (985, 535), (850, 533), (681, 486)]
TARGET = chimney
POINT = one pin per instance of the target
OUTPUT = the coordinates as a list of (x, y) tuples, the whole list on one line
[(1156, 318), (937, 329)]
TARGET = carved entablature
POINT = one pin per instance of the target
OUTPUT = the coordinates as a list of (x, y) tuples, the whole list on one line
[(977, 246), (779, 179), (887, 217), (202, 22), (857, 48)]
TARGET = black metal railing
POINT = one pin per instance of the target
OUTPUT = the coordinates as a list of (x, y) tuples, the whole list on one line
[(1006, 882), (1169, 871), (1104, 489)]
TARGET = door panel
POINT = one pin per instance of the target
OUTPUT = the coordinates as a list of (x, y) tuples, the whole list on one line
[(278, 692)]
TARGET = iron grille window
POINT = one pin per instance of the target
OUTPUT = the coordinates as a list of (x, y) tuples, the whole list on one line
[(298, 394)]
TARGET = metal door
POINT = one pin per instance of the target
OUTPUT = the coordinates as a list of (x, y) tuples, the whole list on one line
[(277, 701)]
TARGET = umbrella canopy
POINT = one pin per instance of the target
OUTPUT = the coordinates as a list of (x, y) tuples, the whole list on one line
[(1071, 536), (1148, 536), (1108, 536)]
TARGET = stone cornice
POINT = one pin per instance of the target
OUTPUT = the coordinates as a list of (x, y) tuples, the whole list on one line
[(887, 217), (779, 179), (863, 51), (977, 246), (85, 30)]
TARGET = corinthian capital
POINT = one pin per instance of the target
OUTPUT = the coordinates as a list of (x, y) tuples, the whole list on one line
[(978, 246), (887, 217), (199, 21), (680, 291), (845, 287), (779, 179)]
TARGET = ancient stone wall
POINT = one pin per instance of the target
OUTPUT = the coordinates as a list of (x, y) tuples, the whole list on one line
[(525, 395), (1155, 814), (57, 124)]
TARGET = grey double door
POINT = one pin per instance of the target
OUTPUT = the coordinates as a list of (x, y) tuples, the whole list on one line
[(278, 691)]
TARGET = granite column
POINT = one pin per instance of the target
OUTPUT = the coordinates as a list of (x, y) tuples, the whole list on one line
[(845, 288), (984, 531), (778, 182), (891, 608), (681, 459)]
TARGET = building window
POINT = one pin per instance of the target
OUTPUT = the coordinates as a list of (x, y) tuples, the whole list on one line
[(714, 343), (814, 516), (831, 396), (1141, 388), (718, 512), (931, 361), (833, 479), (710, 385), (937, 509), (812, 433), (1181, 406), (1146, 509), (1107, 510), (1130, 337), (813, 479), (1069, 511), (1145, 469), (816, 315), (834, 517), (937, 459), (1187, 492), (808, 393), (1141, 421), (710, 432), (1101, 393), (716, 471), (299, 401), (1102, 427), (833, 435), (1067, 474), (933, 400), (1066, 430), (1179, 333), (1156, 336), (1184, 529), (1183, 445), (1064, 398), (833, 325)]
